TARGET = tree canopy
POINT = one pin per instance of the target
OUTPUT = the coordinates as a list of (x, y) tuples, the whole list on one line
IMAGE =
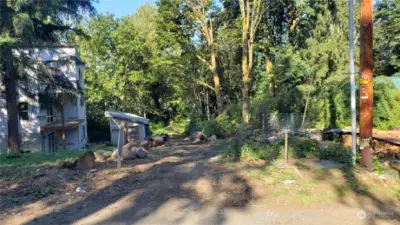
[(188, 61)]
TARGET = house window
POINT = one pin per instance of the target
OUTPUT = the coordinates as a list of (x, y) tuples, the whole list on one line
[(23, 110), (49, 113)]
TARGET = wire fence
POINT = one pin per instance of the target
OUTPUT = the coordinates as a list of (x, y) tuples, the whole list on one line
[(278, 123)]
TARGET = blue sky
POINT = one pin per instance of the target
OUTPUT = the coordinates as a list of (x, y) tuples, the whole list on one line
[(120, 7)]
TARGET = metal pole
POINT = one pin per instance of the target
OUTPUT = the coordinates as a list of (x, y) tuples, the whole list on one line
[(352, 82), (286, 147), (366, 82)]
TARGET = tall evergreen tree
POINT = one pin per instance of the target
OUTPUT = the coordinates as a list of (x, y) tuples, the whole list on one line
[(26, 25)]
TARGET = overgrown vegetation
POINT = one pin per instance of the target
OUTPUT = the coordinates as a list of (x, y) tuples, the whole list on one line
[(251, 150), (338, 153), (156, 63), (378, 167), (303, 147)]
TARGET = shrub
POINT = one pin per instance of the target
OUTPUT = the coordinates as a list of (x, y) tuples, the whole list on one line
[(378, 167), (211, 127), (222, 126), (386, 104), (303, 147), (252, 150), (177, 126), (233, 149), (338, 154), (157, 128)]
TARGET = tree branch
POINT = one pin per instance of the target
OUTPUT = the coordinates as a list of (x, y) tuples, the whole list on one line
[(203, 60), (205, 84)]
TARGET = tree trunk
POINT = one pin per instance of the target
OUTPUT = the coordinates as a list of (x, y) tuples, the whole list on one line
[(63, 127), (245, 85), (207, 105), (217, 85), (245, 69), (268, 65), (10, 81)]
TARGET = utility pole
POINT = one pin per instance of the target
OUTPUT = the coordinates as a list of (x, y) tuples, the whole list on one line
[(352, 82), (366, 82)]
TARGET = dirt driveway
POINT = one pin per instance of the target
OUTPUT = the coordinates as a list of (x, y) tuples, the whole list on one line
[(190, 184)]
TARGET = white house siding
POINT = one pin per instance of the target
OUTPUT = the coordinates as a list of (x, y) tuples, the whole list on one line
[(3, 124), (31, 136), (30, 129)]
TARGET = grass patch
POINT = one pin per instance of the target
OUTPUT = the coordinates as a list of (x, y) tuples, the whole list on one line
[(303, 195), (280, 193), (252, 150), (45, 158), (378, 167)]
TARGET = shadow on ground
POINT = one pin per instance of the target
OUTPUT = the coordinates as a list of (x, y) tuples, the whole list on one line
[(372, 208), (185, 176)]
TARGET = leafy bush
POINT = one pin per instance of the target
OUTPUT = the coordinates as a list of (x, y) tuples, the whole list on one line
[(177, 126), (252, 150), (211, 127), (233, 149), (221, 126), (378, 167), (157, 128), (386, 104), (224, 125), (303, 147), (338, 154)]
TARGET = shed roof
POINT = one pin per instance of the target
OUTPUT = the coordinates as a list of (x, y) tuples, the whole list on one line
[(126, 117)]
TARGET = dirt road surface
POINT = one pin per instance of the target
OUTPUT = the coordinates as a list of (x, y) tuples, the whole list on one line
[(190, 184)]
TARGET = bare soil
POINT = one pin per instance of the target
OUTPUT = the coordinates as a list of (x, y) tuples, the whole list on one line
[(191, 184)]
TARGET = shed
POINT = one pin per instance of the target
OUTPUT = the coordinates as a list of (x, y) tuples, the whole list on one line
[(135, 126)]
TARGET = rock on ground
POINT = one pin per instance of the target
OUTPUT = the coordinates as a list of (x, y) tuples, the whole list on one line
[(212, 138), (99, 156), (141, 153), (146, 144), (128, 146), (157, 141), (126, 154), (165, 137), (198, 135), (86, 161), (102, 155), (197, 141)]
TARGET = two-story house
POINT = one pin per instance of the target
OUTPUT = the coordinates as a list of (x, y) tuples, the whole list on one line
[(40, 123)]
